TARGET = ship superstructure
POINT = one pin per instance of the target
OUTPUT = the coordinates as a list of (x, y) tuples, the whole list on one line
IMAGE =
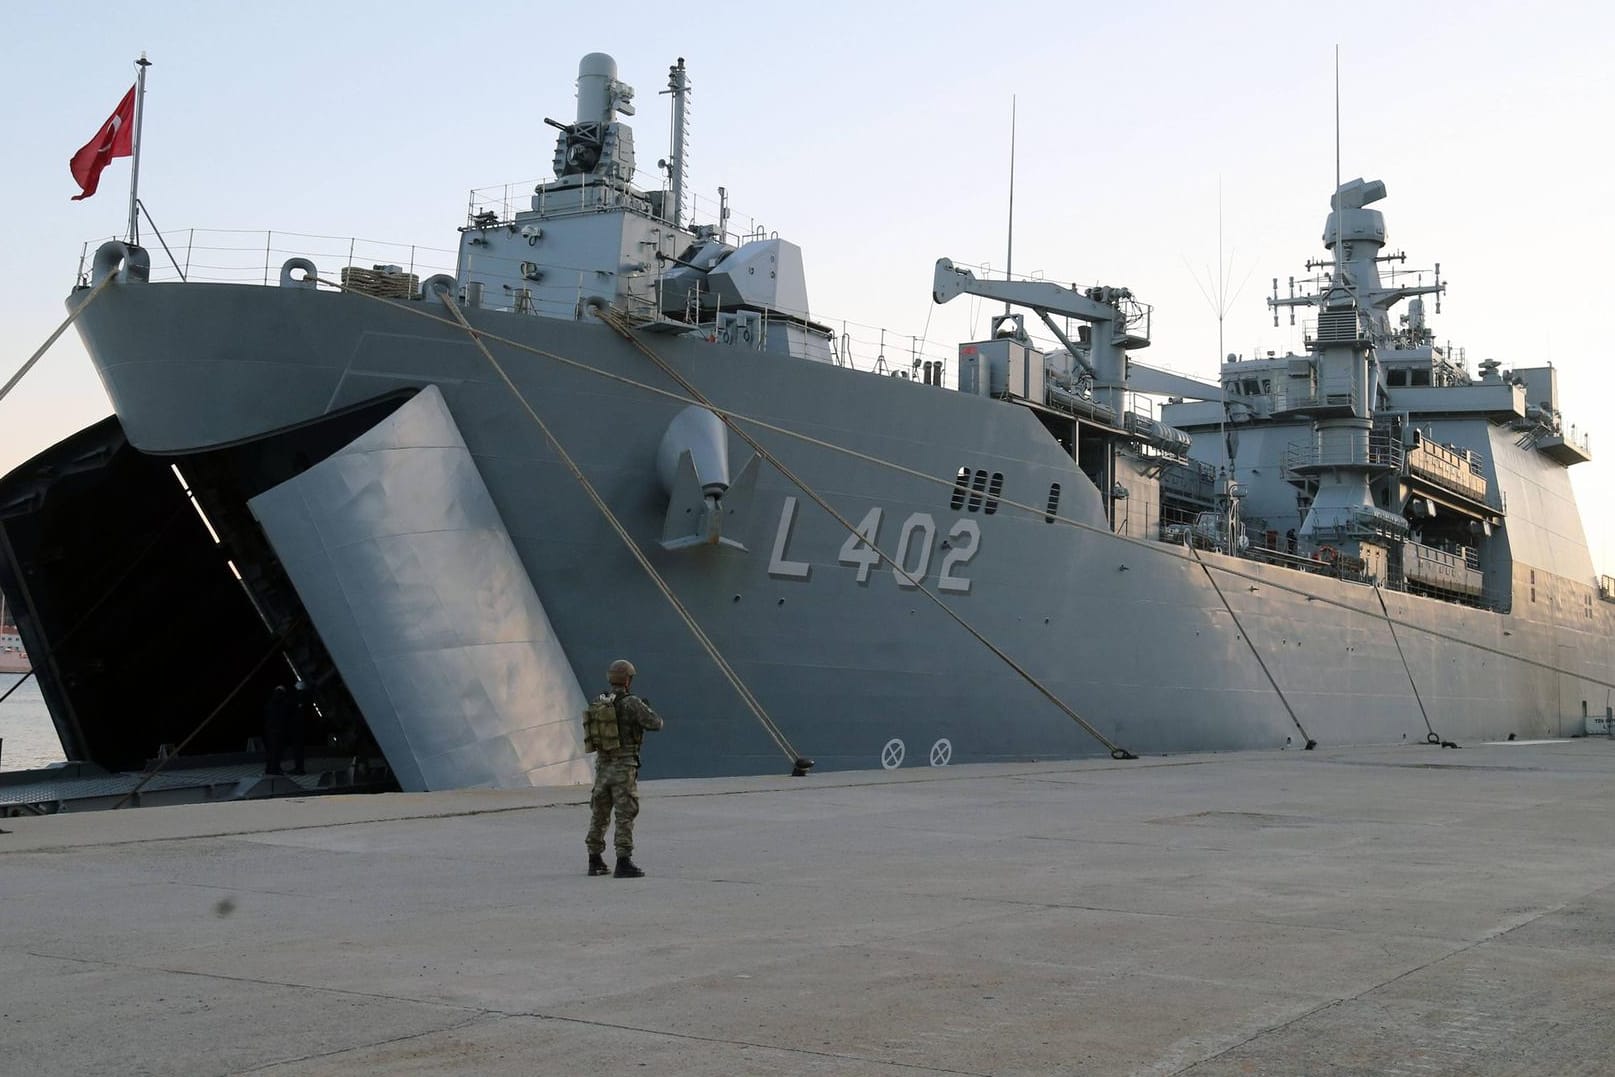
[(591, 237), (448, 503), (1407, 479)]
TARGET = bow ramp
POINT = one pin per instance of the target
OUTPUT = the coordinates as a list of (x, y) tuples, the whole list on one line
[(410, 576)]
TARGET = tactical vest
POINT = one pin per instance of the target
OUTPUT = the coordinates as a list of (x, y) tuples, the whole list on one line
[(601, 732), (603, 725)]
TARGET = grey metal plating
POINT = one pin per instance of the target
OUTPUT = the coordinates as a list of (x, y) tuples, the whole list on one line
[(843, 665), (845, 655)]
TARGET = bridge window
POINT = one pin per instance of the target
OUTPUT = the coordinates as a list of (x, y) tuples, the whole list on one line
[(1420, 377)]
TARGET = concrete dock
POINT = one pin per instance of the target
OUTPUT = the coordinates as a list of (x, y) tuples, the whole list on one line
[(1406, 910)]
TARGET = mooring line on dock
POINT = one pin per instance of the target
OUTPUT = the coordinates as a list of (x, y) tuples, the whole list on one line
[(1432, 737), (1251, 643)]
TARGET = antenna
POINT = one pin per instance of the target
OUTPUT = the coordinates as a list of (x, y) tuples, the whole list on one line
[(1215, 289), (1009, 257), (678, 158), (1340, 267), (1222, 383)]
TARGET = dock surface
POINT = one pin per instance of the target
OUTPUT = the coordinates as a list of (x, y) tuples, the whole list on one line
[(1405, 910)]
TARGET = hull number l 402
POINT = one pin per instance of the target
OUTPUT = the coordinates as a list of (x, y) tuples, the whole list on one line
[(914, 550)]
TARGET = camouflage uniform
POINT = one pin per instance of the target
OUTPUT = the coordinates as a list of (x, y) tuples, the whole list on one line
[(616, 777)]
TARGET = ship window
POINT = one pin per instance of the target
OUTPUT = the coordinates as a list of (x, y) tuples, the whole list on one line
[(1396, 377), (1252, 386), (1420, 377), (1533, 585), (994, 488), (1267, 385), (961, 483), (977, 484), (1054, 503)]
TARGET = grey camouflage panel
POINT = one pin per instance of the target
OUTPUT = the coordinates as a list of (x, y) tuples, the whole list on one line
[(616, 780)]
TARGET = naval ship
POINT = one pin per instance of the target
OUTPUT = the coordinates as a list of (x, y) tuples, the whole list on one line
[(448, 503)]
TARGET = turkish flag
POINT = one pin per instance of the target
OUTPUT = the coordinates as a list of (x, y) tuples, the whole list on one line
[(115, 139)]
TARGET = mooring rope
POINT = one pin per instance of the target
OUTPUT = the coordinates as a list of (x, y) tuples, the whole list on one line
[(60, 329), (276, 645), (1159, 549), (22, 371), (1432, 737), (26, 674), (1246, 636), (626, 331), (799, 763)]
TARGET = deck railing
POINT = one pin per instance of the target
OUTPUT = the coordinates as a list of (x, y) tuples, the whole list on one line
[(239, 256)]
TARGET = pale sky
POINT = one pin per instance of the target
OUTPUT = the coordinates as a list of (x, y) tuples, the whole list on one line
[(877, 138)]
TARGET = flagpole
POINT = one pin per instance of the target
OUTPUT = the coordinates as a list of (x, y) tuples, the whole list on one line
[(134, 169)]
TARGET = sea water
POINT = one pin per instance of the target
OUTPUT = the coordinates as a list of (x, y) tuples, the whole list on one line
[(27, 737)]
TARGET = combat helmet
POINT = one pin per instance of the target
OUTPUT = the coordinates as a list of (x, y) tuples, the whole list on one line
[(620, 672)]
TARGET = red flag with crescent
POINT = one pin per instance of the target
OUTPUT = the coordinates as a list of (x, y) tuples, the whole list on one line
[(115, 139)]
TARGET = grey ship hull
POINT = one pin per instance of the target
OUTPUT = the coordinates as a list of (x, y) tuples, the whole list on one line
[(1131, 635)]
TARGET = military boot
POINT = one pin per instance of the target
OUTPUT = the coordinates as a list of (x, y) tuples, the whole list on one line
[(626, 869), (597, 865)]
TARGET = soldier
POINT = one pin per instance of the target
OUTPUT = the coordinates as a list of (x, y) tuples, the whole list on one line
[(613, 728), (277, 720)]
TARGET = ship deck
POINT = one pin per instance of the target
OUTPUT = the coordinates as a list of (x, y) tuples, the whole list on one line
[(1344, 911)]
